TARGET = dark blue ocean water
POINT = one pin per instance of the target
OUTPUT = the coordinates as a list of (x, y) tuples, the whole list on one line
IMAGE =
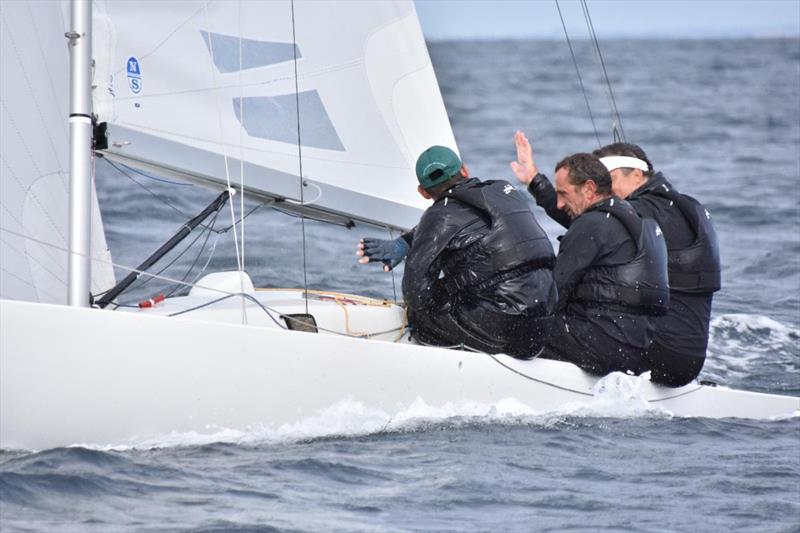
[(720, 118)]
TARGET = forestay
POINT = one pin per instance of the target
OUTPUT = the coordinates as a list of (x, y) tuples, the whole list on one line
[(34, 166), (193, 87)]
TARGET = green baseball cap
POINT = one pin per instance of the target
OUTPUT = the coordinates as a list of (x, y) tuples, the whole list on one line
[(436, 165)]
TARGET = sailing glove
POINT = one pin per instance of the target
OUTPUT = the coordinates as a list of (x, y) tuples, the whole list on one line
[(390, 252)]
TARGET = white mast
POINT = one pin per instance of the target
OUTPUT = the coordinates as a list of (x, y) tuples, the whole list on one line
[(80, 156)]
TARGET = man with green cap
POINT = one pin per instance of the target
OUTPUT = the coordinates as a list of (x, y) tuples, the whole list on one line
[(479, 267)]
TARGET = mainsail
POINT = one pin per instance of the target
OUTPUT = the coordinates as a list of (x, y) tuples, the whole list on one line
[(206, 89), (34, 164)]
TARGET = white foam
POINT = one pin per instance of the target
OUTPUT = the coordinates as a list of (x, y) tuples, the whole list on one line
[(616, 396), (739, 342), (749, 324)]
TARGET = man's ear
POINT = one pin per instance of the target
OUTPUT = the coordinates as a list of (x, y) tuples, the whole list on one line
[(424, 193), (464, 171), (591, 186)]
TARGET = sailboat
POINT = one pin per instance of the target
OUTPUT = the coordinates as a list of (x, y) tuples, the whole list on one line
[(316, 108)]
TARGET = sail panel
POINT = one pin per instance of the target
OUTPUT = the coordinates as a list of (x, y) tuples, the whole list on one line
[(34, 176), (368, 98), (275, 118), (231, 54)]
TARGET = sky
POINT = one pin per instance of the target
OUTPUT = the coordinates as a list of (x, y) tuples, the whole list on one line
[(499, 19)]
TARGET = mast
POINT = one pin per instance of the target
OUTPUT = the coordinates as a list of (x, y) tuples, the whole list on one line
[(80, 153)]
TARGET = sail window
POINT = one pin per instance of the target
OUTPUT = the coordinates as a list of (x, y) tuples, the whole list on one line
[(275, 118), (224, 50)]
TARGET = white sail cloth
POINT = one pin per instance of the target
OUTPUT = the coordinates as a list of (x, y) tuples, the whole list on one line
[(193, 87), (34, 166)]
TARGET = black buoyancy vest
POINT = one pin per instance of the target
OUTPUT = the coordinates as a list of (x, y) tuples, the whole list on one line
[(515, 238), (694, 268), (641, 284)]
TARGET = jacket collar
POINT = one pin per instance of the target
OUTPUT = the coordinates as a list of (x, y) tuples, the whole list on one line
[(658, 180)]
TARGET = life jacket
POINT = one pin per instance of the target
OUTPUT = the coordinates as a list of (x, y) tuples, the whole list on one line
[(505, 244), (694, 268), (639, 286), (514, 241)]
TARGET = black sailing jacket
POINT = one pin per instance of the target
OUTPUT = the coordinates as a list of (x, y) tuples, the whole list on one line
[(681, 339), (694, 264), (598, 242), (479, 272), (693, 267)]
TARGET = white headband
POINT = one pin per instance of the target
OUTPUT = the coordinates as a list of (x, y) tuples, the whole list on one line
[(614, 162)]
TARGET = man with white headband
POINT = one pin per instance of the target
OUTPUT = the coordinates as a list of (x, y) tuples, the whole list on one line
[(679, 346), (611, 267), (678, 351)]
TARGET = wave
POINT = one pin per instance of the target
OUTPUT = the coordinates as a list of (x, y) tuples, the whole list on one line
[(753, 350), (615, 396)]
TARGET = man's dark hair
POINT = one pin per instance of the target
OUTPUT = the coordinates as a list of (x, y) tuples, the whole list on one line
[(626, 149), (437, 191), (584, 167)]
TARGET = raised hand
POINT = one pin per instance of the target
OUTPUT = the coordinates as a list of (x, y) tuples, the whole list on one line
[(524, 167)]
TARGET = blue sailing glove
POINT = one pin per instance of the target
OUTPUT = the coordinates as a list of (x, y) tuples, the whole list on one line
[(390, 252)]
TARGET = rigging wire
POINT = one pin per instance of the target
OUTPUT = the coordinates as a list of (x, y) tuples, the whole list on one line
[(580, 78), (241, 133), (219, 118), (299, 155), (173, 261), (167, 202), (104, 262), (394, 285), (618, 131), (145, 187), (208, 261), (200, 253), (241, 160), (150, 176)]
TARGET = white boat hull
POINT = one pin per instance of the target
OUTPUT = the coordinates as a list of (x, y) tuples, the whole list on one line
[(72, 376)]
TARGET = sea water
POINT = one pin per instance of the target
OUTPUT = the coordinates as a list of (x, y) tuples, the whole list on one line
[(720, 118)]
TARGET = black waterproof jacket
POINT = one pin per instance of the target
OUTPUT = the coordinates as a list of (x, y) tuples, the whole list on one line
[(638, 285), (694, 264), (615, 333), (681, 339), (479, 272), (600, 336), (678, 350)]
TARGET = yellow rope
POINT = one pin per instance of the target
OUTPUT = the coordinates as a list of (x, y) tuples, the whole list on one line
[(404, 325), (347, 322), (338, 297)]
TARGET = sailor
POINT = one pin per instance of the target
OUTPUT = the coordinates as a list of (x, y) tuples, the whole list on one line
[(479, 267), (611, 266), (679, 347)]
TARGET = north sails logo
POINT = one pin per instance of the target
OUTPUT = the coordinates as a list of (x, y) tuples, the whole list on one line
[(134, 75), (508, 188)]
